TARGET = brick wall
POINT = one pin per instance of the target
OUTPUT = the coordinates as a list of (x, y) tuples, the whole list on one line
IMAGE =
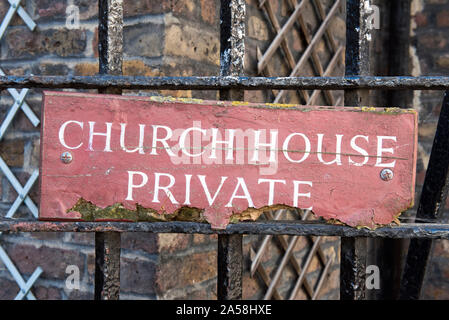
[(430, 56)]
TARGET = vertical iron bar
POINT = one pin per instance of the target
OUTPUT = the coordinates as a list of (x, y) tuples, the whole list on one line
[(107, 265), (389, 254), (230, 267), (353, 250), (431, 205), (110, 36), (110, 49), (232, 51), (399, 48), (353, 268)]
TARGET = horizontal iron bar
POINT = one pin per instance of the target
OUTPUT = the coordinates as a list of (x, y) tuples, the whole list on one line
[(217, 83), (296, 228)]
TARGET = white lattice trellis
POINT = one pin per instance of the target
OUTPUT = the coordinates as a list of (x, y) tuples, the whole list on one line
[(22, 191)]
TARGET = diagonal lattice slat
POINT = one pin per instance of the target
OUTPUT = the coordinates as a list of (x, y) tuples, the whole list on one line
[(288, 257), (301, 268), (22, 191), (311, 46), (280, 42)]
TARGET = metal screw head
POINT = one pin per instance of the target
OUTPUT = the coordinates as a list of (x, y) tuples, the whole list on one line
[(66, 157), (386, 175)]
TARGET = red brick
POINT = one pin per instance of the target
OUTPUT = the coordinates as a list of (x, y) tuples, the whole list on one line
[(433, 40), (421, 19), (81, 295), (9, 289), (51, 69), (52, 9), (170, 242), (201, 294), (180, 7), (140, 241), (137, 276), (56, 9), (139, 68), (204, 238), (255, 96), (44, 293), (140, 7), (143, 40), (436, 292), (12, 152), (79, 238), (443, 19), (252, 287), (47, 235), (91, 268), (86, 69), (178, 272), (23, 43), (208, 11), (52, 260), (441, 248)]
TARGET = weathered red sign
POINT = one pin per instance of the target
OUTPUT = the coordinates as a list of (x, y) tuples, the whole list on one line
[(107, 157)]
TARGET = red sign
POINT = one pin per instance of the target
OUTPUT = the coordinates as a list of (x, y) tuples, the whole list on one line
[(107, 157)]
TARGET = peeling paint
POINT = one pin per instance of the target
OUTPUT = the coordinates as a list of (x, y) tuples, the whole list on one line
[(117, 212), (91, 212)]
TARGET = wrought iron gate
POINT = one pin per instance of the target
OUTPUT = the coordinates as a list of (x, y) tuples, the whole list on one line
[(231, 83)]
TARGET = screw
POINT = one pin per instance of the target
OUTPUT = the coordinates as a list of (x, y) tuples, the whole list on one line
[(386, 175), (66, 157)]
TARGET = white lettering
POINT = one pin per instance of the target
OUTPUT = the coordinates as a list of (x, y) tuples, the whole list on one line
[(381, 149), (206, 189), (306, 151), (161, 140), (157, 187), (241, 183), (337, 159), (132, 186), (360, 150), (188, 179), (182, 141), (296, 193), (229, 143), (62, 131), (92, 133), (272, 145), (122, 138)]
